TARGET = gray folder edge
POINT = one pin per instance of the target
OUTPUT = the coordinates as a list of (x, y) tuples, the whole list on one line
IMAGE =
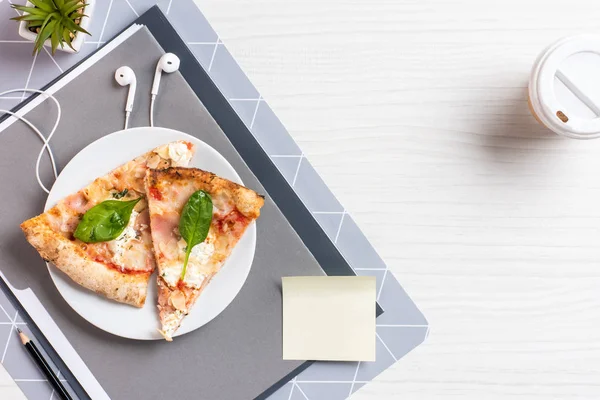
[(313, 236)]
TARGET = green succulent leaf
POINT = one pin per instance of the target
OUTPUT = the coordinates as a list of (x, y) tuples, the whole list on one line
[(46, 21), (68, 10), (59, 3), (67, 37), (74, 27), (29, 17), (34, 24), (55, 38), (70, 3), (38, 11), (46, 31), (21, 8), (30, 10), (47, 6)]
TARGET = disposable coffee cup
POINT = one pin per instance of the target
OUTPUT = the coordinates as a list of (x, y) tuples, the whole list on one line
[(564, 87)]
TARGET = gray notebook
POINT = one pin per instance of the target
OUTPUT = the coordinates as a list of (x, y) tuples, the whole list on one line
[(236, 356)]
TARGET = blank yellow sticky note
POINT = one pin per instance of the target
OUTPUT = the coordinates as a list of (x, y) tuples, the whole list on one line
[(329, 318)]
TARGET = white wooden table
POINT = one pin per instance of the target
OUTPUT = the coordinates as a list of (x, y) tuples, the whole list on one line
[(414, 112)]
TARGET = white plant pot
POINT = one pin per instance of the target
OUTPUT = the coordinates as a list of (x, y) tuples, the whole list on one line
[(77, 42)]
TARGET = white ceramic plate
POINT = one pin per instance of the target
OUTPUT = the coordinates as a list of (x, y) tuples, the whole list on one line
[(101, 157)]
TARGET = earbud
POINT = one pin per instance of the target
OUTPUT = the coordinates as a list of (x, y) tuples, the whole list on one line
[(125, 76), (167, 63)]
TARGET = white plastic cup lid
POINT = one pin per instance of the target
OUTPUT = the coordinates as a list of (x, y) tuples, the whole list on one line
[(564, 89)]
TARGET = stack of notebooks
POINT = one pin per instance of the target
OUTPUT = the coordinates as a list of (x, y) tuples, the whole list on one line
[(240, 354)]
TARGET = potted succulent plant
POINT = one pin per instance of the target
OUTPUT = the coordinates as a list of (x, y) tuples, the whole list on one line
[(59, 24)]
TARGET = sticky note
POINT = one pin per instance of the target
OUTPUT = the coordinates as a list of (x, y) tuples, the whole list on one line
[(329, 318)]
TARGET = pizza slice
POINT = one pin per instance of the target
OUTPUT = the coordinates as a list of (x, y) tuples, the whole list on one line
[(79, 242), (228, 210)]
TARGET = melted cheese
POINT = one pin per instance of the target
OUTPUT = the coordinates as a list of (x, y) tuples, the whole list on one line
[(202, 252), (194, 274), (171, 272), (171, 323), (194, 278), (179, 154), (120, 245)]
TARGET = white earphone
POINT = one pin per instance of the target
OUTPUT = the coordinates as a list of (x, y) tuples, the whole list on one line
[(168, 63), (126, 77)]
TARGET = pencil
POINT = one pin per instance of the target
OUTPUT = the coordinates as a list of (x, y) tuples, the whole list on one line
[(44, 366)]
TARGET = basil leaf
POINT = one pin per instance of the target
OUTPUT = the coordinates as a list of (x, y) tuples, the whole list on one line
[(105, 221), (194, 222)]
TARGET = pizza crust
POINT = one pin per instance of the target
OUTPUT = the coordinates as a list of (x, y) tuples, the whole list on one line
[(67, 256)]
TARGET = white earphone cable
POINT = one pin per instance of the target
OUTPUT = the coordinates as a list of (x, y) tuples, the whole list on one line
[(127, 114), (152, 110), (45, 140)]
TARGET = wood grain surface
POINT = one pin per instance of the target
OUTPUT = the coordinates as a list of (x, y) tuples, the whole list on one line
[(414, 112)]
